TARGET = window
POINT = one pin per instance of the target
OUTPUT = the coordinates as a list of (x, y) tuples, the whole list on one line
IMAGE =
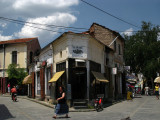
[(115, 45), (38, 84), (14, 57), (119, 49), (31, 57), (61, 67), (61, 54)]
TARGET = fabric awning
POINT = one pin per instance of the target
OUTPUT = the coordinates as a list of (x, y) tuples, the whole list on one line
[(157, 80), (56, 76), (100, 77), (27, 80)]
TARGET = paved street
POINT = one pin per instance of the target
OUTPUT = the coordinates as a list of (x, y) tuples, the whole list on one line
[(141, 108)]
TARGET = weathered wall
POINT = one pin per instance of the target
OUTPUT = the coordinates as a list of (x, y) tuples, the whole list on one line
[(60, 52), (96, 52), (21, 54)]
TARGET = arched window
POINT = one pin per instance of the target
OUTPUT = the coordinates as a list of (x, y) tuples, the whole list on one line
[(14, 57)]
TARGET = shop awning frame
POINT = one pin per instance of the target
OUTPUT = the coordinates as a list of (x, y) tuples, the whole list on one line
[(27, 80), (99, 77), (56, 76)]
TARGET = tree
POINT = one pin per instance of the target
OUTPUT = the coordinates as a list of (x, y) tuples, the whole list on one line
[(16, 74), (142, 50)]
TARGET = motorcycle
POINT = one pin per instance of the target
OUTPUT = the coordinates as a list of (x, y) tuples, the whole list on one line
[(98, 104), (14, 97)]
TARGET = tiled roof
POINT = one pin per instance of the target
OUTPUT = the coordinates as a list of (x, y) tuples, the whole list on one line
[(114, 32), (22, 40)]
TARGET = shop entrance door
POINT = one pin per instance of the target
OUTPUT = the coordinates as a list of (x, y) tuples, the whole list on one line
[(79, 83)]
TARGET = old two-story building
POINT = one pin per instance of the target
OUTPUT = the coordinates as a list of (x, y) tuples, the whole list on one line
[(83, 64), (78, 64), (17, 51), (113, 40), (42, 71)]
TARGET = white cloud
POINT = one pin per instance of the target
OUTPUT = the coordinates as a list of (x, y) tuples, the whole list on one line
[(59, 19), (3, 38), (54, 12), (3, 25), (128, 32), (34, 8)]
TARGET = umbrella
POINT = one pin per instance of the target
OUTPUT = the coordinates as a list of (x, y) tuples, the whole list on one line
[(157, 80)]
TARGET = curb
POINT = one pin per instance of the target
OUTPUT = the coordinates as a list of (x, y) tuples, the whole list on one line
[(51, 105)]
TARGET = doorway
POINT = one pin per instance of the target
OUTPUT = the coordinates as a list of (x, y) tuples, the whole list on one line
[(79, 83)]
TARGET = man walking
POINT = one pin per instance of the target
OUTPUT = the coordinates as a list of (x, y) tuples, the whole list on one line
[(146, 90)]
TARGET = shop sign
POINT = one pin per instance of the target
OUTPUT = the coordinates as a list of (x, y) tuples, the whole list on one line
[(114, 71), (78, 52)]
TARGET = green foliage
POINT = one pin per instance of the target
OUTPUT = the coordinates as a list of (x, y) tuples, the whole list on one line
[(142, 50), (16, 74)]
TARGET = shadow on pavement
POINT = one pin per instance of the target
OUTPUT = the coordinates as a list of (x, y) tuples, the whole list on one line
[(4, 113), (63, 117)]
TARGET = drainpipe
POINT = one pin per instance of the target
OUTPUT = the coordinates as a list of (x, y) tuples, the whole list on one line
[(3, 90)]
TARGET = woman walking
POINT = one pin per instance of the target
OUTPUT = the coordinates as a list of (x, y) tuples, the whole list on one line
[(157, 91), (62, 107)]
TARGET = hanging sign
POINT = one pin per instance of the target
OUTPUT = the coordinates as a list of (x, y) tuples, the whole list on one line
[(114, 70)]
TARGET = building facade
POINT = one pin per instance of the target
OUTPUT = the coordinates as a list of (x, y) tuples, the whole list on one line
[(41, 72), (113, 40), (18, 51), (80, 58)]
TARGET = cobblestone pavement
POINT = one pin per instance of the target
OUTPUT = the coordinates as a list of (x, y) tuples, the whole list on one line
[(141, 108)]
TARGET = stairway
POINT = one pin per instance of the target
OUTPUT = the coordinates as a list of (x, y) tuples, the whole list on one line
[(80, 104)]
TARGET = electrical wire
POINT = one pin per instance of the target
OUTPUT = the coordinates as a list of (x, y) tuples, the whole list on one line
[(110, 14), (46, 25), (30, 24)]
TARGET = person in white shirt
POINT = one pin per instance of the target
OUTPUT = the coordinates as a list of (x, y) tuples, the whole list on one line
[(146, 90)]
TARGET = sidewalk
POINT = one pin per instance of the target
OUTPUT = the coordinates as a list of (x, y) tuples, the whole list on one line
[(53, 106), (48, 104)]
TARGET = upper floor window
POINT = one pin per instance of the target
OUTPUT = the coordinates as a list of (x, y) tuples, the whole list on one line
[(31, 57), (115, 45), (119, 49), (14, 57), (60, 54)]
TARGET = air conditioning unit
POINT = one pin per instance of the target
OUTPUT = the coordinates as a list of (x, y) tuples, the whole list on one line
[(39, 64)]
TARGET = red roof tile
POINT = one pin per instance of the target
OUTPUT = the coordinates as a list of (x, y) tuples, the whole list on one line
[(22, 40)]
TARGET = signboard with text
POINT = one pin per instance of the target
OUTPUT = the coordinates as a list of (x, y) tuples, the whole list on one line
[(78, 52)]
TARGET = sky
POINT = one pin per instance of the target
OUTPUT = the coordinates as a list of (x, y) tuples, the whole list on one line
[(72, 13)]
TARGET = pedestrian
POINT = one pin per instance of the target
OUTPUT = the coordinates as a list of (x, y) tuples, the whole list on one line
[(156, 90), (9, 87), (146, 89), (61, 107), (13, 91)]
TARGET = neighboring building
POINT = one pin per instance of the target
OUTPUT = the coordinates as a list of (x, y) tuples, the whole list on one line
[(17, 51), (115, 41), (43, 73)]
